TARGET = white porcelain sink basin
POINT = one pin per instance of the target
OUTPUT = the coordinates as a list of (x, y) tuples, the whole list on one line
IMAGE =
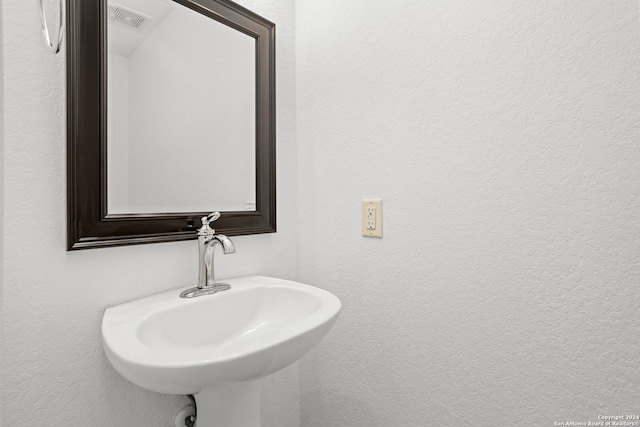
[(217, 345)]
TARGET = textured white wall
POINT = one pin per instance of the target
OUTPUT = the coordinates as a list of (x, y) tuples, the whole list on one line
[(503, 137), (1, 203), (55, 372)]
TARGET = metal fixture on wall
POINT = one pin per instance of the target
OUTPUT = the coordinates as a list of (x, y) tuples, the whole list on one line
[(55, 47)]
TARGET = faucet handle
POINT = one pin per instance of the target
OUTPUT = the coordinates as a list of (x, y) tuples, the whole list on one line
[(206, 230), (210, 218)]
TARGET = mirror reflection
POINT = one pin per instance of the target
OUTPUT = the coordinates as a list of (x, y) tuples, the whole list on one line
[(181, 104)]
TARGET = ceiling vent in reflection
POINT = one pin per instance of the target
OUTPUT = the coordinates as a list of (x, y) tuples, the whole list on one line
[(127, 17)]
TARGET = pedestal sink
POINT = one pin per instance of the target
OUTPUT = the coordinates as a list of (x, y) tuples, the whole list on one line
[(218, 346)]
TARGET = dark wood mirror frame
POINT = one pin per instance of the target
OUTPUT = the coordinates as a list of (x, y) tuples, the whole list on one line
[(88, 223)]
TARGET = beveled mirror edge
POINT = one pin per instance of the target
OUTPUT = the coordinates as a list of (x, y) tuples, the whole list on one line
[(88, 224)]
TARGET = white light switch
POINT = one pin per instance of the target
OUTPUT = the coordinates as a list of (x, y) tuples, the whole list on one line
[(372, 218)]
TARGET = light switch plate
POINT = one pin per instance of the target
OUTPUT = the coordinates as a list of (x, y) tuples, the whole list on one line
[(372, 217)]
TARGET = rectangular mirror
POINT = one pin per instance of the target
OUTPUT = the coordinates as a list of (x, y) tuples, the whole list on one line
[(171, 115), (181, 105)]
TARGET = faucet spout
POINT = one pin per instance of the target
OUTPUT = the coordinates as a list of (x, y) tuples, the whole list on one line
[(227, 245), (227, 248)]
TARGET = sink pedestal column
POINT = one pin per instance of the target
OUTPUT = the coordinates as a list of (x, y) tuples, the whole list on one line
[(229, 405)]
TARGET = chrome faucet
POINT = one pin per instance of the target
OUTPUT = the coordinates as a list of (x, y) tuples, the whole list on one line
[(207, 241)]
